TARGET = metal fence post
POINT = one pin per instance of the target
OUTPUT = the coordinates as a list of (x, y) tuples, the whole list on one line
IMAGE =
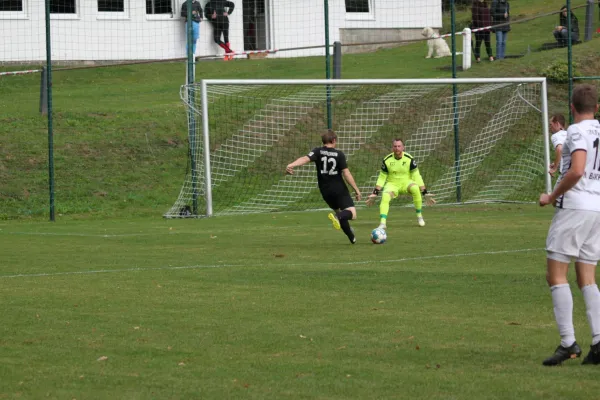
[(589, 20), (44, 92), (337, 60)]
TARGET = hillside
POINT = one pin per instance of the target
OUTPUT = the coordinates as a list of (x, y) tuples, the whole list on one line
[(120, 133)]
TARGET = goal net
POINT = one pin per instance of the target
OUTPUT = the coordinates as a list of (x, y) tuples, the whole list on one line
[(475, 140)]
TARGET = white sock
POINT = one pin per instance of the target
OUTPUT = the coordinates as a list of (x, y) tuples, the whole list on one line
[(562, 299), (591, 295)]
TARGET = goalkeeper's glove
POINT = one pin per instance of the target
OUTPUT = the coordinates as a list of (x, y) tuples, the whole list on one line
[(371, 199), (429, 200)]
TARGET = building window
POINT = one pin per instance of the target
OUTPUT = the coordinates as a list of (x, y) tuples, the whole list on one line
[(357, 6), (63, 7), (154, 7), (116, 6), (11, 5)]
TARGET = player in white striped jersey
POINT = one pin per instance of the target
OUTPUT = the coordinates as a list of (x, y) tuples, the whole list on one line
[(575, 229), (557, 126)]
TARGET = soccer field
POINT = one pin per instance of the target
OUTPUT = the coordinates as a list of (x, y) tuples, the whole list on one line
[(276, 306)]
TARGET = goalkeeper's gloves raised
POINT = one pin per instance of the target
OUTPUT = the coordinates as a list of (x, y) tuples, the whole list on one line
[(429, 200)]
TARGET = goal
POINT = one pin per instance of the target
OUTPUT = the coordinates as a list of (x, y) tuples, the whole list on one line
[(475, 140)]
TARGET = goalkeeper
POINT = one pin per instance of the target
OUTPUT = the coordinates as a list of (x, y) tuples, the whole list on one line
[(399, 175)]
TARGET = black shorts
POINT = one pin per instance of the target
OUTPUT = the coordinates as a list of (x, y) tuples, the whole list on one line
[(337, 199)]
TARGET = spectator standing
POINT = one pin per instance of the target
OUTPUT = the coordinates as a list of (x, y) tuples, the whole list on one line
[(217, 12), (196, 19), (481, 18), (500, 13)]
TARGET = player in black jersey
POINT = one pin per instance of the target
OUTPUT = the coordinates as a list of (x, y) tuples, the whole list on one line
[(331, 165)]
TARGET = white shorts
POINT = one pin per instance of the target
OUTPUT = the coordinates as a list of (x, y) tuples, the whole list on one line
[(574, 234)]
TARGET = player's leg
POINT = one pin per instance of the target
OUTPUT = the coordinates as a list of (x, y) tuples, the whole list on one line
[(387, 194), (585, 266), (331, 200), (559, 251), (415, 192), (334, 220), (586, 279), (344, 217), (347, 213), (562, 300)]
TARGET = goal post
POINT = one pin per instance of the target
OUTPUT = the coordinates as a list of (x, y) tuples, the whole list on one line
[(251, 129)]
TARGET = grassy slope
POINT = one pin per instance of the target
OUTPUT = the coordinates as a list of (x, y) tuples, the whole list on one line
[(120, 132)]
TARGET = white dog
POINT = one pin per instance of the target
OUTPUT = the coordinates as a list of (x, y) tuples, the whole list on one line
[(435, 44)]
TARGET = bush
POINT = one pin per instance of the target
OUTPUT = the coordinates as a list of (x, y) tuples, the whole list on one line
[(558, 72)]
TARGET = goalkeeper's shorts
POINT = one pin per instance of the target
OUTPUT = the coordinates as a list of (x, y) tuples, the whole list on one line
[(398, 188)]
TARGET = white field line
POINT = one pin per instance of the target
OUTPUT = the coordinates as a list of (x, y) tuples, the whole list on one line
[(83, 234), (397, 260), (175, 231)]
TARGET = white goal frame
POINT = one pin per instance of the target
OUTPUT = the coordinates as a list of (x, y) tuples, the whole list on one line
[(205, 83)]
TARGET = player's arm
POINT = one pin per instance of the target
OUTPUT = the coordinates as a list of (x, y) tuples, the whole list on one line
[(569, 179), (383, 175), (557, 157), (415, 175), (230, 6), (350, 179), (381, 179), (300, 161)]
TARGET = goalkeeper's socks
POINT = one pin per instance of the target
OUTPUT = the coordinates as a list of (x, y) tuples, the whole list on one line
[(382, 221)]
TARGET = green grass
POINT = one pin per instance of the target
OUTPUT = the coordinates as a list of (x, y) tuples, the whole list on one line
[(458, 309)]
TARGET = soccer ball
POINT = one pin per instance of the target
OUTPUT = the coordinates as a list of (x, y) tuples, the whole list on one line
[(378, 236)]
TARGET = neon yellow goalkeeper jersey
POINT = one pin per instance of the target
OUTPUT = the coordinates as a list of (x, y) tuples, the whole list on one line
[(399, 172)]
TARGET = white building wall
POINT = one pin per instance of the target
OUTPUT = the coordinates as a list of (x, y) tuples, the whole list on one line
[(291, 31), (90, 35)]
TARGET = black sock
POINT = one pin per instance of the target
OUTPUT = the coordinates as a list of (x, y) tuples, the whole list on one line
[(343, 216)]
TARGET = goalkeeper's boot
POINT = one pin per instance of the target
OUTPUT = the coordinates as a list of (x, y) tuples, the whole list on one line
[(420, 220), (562, 354), (334, 221), (593, 356), (382, 226)]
